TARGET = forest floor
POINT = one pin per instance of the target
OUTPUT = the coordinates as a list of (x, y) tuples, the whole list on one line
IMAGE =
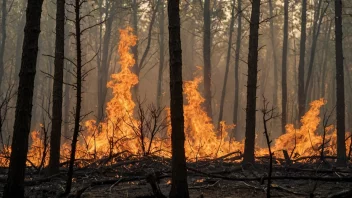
[(222, 177)]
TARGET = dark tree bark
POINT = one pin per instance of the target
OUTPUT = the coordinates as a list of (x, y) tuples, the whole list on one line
[(15, 181), (229, 46), (325, 61), (104, 67), (340, 86), (19, 42), (207, 57), (3, 38), (252, 83), (179, 186), (318, 18), (301, 96), (284, 69), (77, 127), (135, 68), (273, 47), (55, 138), (237, 65), (161, 53)]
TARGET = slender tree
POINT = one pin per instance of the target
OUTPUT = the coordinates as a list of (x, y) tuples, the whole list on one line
[(237, 65), (179, 186), (78, 33), (55, 138), (3, 38), (252, 83), (301, 96), (284, 69), (161, 52), (15, 180), (207, 57), (340, 86), (229, 47), (273, 47)]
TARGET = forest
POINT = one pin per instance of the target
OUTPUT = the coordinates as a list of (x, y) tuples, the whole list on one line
[(176, 98)]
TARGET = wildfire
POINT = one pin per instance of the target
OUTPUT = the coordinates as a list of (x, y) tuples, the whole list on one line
[(122, 130)]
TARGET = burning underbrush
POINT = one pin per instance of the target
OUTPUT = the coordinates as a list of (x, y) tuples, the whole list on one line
[(138, 129)]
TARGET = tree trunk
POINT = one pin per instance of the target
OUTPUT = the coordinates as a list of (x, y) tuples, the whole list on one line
[(301, 96), (229, 46), (77, 127), (3, 39), (104, 67), (252, 83), (55, 138), (161, 53), (340, 86), (179, 186), (325, 56), (15, 181), (316, 32), (273, 47), (136, 67), (207, 58), (237, 65), (284, 69), (19, 42)]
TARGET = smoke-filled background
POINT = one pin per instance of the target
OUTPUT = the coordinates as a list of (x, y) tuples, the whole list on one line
[(205, 54)]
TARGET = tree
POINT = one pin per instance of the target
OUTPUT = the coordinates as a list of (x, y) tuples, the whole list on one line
[(301, 96), (229, 47), (252, 83), (340, 86), (161, 53), (207, 57), (179, 186), (237, 63), (284, 69), (3, 38), (273, 47), (55, 138), (15, 180)]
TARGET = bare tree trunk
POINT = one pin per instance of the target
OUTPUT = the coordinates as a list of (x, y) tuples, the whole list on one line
[(284, 69), (19, 42), (229, 46), (340, 86), (15, 180), (179, 186), (161, 53), (3, 39), (273, 47), (301, 96), (325, 56), (237, 65), (316, 32), (252, 83), (77, 127), (207, 58), (136, 67), (55, 138), (104, 67)]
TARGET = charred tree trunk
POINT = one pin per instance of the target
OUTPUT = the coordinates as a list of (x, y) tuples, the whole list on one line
[(316, 29), (229, 46), (325, 61), (252, 83), (273, 47), (77, 127), (179, 186), (207, 58), (19, 42), (136, 67), (15, 181), (284, 69), (340, 87), (301, 96), (237, 65), (104, 67), (3, 39), (161, 53), (55, 138)]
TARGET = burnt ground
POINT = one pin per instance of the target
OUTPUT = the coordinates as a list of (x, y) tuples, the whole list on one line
[(222, 177)]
